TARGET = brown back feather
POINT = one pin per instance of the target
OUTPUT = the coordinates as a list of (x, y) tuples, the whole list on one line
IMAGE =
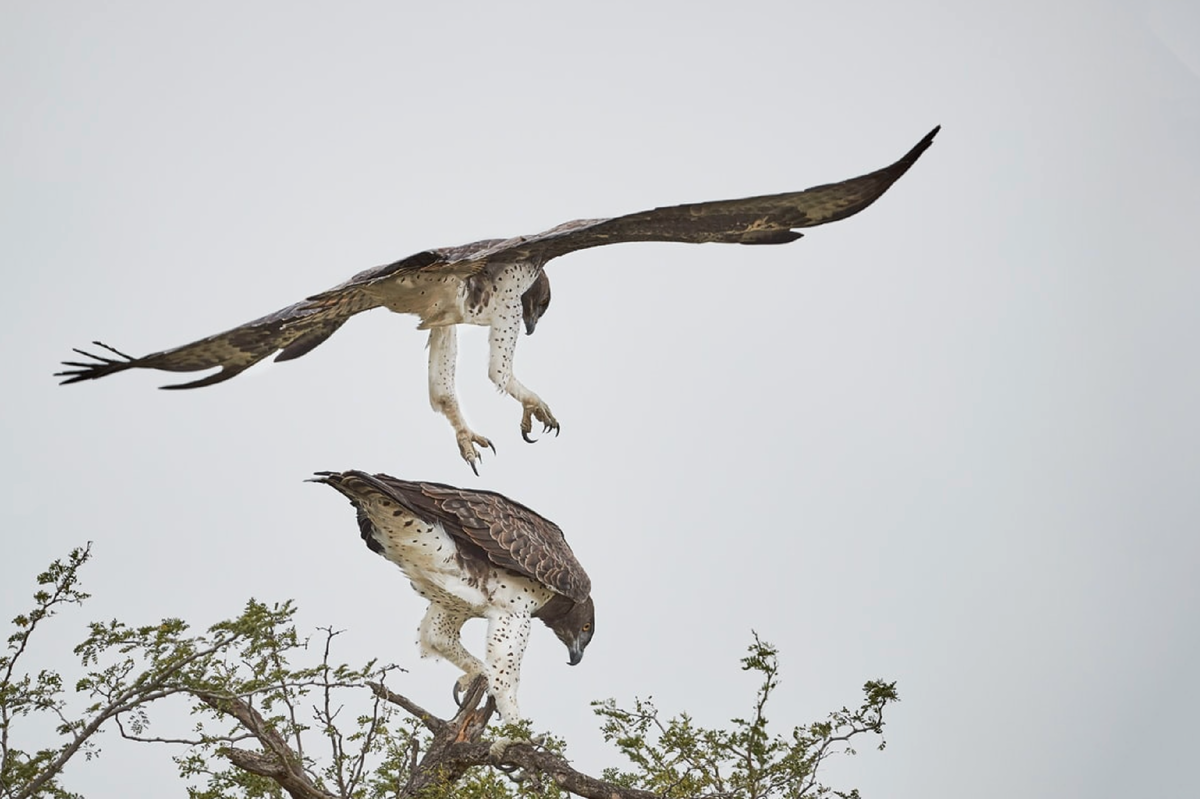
[(765, 219), (508, 533)]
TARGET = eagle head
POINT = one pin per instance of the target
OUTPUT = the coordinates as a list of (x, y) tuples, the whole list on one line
[(535, 301), (572, 622)]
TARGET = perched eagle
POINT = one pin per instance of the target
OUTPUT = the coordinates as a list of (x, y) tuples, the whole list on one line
[(497, 283), (475, 554)]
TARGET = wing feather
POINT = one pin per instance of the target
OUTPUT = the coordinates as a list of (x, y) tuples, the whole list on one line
[(299, 328), (512, 536), (447, 260), (296, 329), (292, 331), (765, 219)]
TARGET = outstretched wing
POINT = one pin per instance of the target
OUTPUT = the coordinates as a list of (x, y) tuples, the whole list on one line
[(297, 329), (292, 331), (768, 219), (510, 534)]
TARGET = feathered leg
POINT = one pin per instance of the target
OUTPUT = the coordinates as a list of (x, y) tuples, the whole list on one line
[(508, 633), (439, 637), (502, 340), (443, 351)]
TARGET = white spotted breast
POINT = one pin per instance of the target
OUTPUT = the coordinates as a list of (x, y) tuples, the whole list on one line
[(427, 555)]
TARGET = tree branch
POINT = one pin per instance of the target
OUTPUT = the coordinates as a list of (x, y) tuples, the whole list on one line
[(431, 722), (129, 736), (278, 762), (457, 746), (675, 758), (529, 757), (267, 765)]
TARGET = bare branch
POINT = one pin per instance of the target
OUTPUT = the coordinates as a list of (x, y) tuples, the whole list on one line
[(431, 722), (379, 715), (326, 715), (266, 765), (528, 756), (208, 739), (437, 767), (415, 751), (286, 695), (458, 746), (278, 762)]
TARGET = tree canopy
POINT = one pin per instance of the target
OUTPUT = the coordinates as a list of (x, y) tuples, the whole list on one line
[(276, 715)]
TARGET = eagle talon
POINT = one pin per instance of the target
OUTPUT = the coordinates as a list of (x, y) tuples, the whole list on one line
[(460, 687), (466, 448), (494, 283), (539, 411)]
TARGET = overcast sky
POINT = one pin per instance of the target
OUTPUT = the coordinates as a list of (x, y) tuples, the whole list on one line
[(952, 441)]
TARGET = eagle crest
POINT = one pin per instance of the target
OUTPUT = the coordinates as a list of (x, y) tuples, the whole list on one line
[(497, 283), (475, 554)]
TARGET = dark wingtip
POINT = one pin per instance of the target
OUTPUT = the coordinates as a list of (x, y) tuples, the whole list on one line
[(113, 350), (884, 178), (71, 376), (920, 147), (99, 366)]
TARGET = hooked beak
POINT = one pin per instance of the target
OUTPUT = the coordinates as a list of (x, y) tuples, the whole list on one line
[(576, 655), (530, 324)]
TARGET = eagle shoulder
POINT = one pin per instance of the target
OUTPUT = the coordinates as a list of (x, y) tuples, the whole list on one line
[(507, 533)]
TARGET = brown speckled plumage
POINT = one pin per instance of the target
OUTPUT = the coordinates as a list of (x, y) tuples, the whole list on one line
[(509, 534), (496, 283), (475, 554)]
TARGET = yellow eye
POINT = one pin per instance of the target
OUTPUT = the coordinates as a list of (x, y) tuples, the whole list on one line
[(587, 627)]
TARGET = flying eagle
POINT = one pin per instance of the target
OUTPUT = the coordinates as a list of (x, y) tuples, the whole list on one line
[(475, 554), (497, 283)]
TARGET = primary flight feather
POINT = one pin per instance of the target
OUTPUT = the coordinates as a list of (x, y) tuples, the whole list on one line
[(496, 283)]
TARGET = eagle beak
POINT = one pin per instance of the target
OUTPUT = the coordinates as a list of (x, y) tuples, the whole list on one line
[(530, 324), (576, 655)]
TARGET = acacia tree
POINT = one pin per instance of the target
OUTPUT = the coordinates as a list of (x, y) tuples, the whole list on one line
[(268, 727)]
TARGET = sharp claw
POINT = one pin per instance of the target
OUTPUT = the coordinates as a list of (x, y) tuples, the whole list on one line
[(528, 440), (469, 453), (454, 693)]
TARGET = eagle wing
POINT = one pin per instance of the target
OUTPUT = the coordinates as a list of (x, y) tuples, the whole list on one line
[(292, 331), (510, 534), (766, 219), (298, 328)]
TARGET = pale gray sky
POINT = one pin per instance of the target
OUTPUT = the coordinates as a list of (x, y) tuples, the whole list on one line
[(952, 441)]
